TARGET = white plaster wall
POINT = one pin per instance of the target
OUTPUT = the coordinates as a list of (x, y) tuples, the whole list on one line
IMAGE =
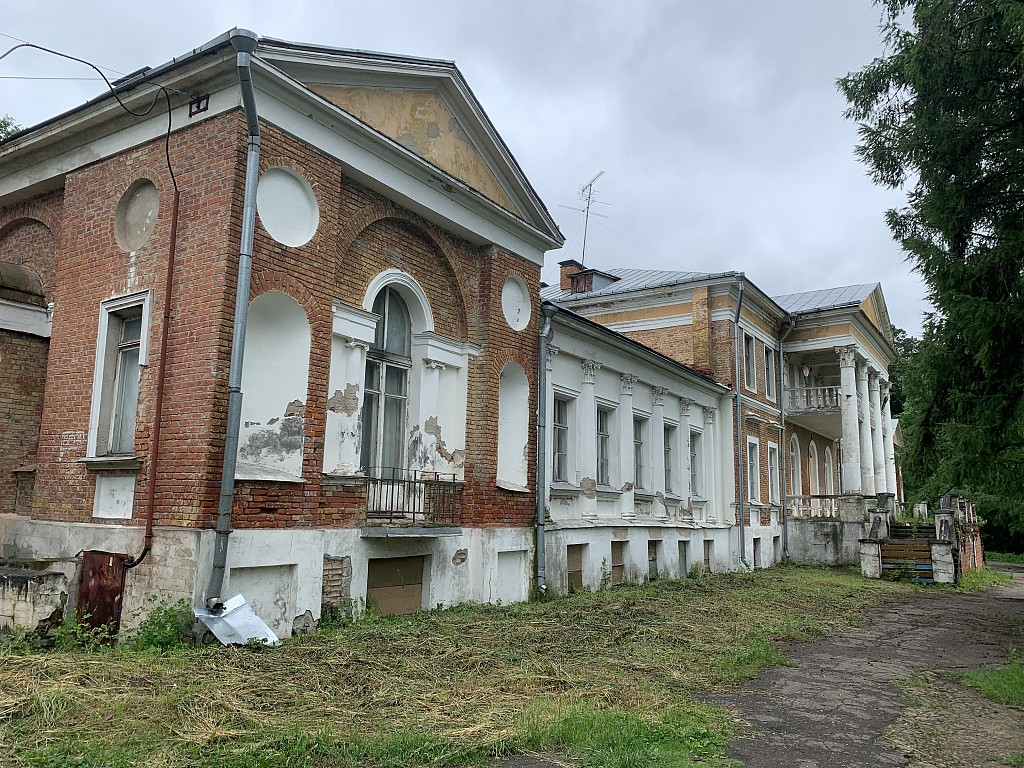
[(513, 426), (275, 376)]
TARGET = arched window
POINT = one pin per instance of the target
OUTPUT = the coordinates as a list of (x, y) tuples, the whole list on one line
[(795, 485), (386, 388), (814, 483), (830, 489)]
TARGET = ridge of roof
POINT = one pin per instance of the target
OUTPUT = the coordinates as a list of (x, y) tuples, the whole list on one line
[(825, 298)]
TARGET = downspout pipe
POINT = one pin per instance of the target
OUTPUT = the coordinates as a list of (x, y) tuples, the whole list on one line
[(244, 43), (784, 446), (161, 381), (548, 312), (740, 448)]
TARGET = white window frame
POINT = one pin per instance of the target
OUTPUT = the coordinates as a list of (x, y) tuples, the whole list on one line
[(568, 431), (641, 451), (104, 370), (696, 449), (753, 457), (769, 373), (609, 441), (774, 487), (749, 362), (671, 433)]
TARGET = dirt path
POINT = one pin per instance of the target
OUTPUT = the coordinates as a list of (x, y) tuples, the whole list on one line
[(832, 708)]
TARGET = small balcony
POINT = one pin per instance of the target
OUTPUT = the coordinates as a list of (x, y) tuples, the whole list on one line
[(816, 409), (813, 399), (421, 503)]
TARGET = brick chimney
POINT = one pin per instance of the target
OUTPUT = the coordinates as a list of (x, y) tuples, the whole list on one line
[(567, 269)]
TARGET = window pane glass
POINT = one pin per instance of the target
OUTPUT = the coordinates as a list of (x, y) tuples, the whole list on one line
[(394, 380), (371, 383), (369, 427), (131, 329), (398, 326), (126, 399), (393, 432)]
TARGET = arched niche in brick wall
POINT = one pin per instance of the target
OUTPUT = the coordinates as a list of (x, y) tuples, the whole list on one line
[(513, 427), (29, 244), (275, 378)]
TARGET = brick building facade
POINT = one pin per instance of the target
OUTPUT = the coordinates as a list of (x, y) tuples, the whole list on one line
[(388, 371)]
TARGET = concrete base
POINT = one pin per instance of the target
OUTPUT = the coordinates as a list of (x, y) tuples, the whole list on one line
[(943, 567), (281, 572), (870, 559), (816, 541)]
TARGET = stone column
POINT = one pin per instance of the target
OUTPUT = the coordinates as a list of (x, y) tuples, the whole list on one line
[(588, 439), (877, 451), (658, 449), (685, 491), (349, 407), (888, 449), (626, 461), (851, 428), (867, 471), (712, 468)]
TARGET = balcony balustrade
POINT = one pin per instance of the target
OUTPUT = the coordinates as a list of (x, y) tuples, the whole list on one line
[(410, 497), (813, 398)]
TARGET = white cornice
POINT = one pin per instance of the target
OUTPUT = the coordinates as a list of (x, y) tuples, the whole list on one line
[(652, 323), (24, 318)]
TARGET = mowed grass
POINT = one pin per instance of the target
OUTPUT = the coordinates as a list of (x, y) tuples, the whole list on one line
[(605, 678)]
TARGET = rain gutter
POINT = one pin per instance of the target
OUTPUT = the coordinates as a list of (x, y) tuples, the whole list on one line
[(244, 43)]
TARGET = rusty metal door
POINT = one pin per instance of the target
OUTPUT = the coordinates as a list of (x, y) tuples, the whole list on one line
[(99, 597)]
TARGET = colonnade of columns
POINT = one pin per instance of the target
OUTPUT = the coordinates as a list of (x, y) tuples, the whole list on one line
[(869, 464)]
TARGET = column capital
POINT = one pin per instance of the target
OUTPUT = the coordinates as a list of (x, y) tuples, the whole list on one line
[(552, 351), (883, 385), (356, 344), (435, 365), (684, 405), (873, 379), (709, 416), (862, 370), (628, 380), (590, 369), (658, 394), (847, 356)]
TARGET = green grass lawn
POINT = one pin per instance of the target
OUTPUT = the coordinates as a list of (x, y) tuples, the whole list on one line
[(605, 678)]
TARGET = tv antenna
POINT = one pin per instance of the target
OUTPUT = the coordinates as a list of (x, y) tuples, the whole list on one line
[(586, 194)]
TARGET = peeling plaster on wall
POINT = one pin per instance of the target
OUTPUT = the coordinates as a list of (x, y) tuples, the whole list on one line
[(295, 408), (346, 402), (427, 448), (274, 444), (588, 486), (460, 556), (626, 487)]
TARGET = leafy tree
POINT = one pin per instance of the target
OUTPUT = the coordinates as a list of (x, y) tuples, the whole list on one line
[(942, 116), (7, 127)]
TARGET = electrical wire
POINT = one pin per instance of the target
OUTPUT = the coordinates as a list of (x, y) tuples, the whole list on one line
[(113, 92)]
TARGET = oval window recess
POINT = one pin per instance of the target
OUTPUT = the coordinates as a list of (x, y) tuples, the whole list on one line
[(515, 303), (287, 206), (136, 215)]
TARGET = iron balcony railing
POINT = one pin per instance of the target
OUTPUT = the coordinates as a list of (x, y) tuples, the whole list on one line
[(813, 398), (412, 497), (813, 506)]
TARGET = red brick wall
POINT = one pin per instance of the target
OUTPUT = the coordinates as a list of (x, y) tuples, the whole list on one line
[(22, 377), (207, 160), (29, 233), (360, 234)]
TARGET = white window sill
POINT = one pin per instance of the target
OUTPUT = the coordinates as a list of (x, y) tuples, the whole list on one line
[(506, 485), (110, 463)]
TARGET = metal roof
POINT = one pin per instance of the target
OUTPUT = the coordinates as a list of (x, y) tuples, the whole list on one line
[(828, 298), (631, 280)]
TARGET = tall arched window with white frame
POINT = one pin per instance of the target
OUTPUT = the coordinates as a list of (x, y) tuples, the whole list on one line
[(386, 388), (796, 490)]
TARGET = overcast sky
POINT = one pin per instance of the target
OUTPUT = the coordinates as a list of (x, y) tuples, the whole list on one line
[(717, 122)]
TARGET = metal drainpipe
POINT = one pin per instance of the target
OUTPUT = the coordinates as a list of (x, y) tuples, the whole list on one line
[(784, 447), (161, 377), (244, 43), (548, 311), (740, 448)]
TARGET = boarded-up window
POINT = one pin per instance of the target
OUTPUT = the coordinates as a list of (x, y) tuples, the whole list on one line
[(574, 566), (652, 560), (395, 584), (757, 551), (709, 555), (618, 562)]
